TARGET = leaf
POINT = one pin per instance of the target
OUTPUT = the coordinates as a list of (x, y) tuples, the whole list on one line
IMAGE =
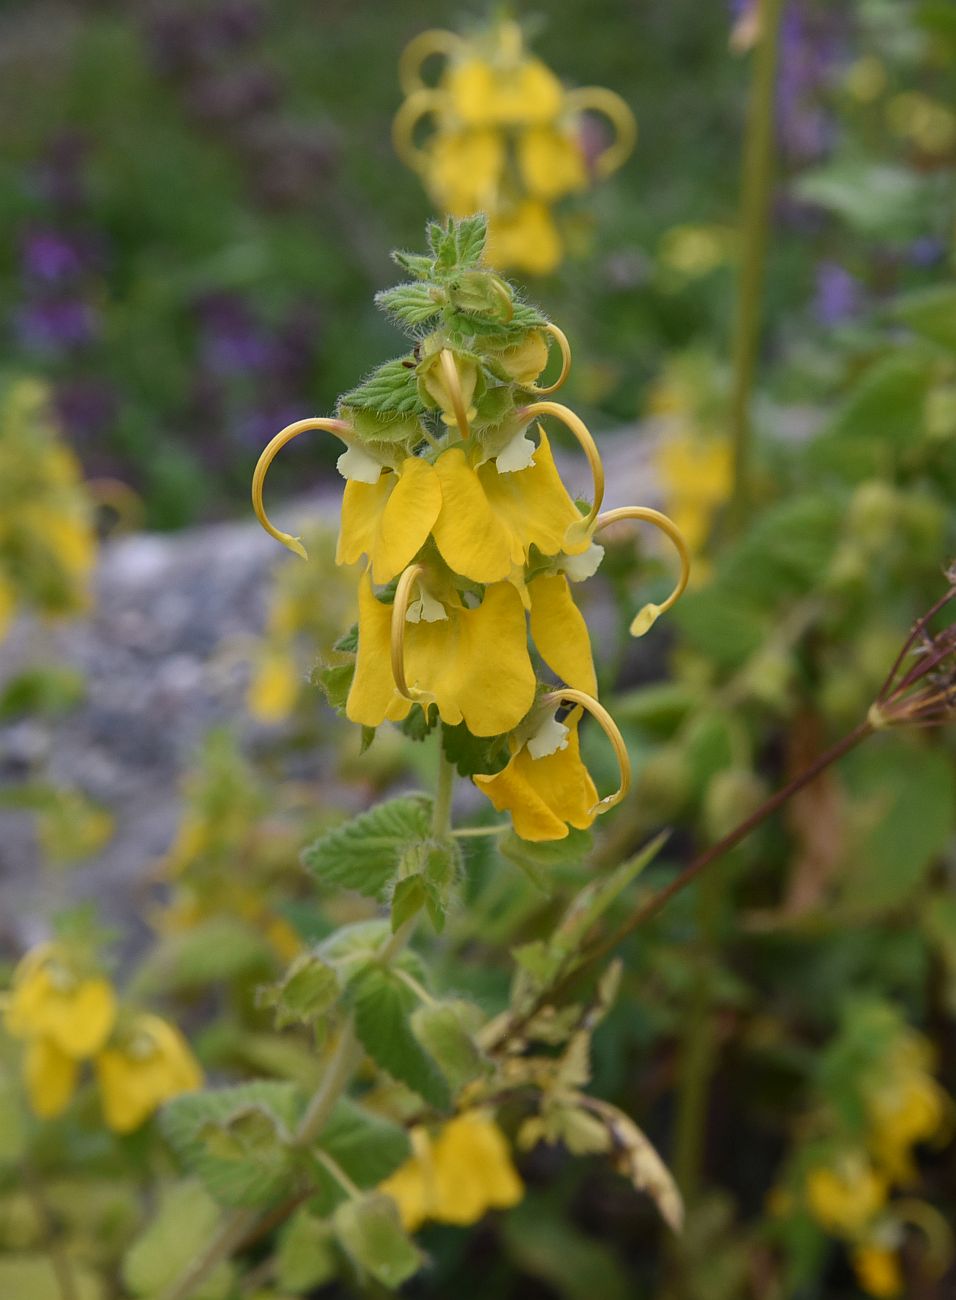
[(348, 642), (391, 388), (471, 235), (442, 1031), (380, 431), (178, 1233), (13, 1121), (408, 899), (218, 949), (365, 853), (310, 989), (33, 1277), (366, 1146), (636, 1158), (473, 754), (306, 1256), (335, 682), (383, 1004), (875, 199), (930, 313), (411, 304), (234, 1139), (417, 264), (371, 1232), (596, 897), (901, 819), (880, 417)]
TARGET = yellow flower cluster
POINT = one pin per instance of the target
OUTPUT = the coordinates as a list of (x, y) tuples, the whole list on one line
[(849, 1195), (457, 1175), (506, 139), (471, 542), (67, 1014), (47, 543)]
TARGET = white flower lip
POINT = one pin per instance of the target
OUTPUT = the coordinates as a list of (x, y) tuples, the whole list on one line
[(358, 466), (517, 454), (549, 738)]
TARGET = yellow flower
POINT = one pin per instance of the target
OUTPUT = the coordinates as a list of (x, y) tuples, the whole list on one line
[(878, 1270), (514, 90), (64, 1017), (524, 237), (551, 162), (457, 1176), (907, 1106), (484, 522), (696, 475), (547, 794), (50, 1001), (844, 1198), (274, 688), (473, 663), (464, 168), (150, 1063)]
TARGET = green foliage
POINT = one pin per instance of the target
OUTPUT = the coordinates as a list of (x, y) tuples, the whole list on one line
[(308, 990), (36, 1277), (446, 1031), (236, 1140), (306, 1257), (382, 1003), (185, 1221), (931, 313), (365, 1146), (538, 860), (216, 948), (390, 390), (367, 852), (473, 754), (371, 1233)]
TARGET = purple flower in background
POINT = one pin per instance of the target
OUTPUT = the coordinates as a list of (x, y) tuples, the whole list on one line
[(49, 257), (838, 294), (59, 178), (86, 407), (926, 251), (810, 51), (231, 341), (56, 326)]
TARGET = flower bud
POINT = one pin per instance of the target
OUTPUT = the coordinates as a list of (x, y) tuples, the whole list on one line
[(663, 784), (438, 391), (524, 361)]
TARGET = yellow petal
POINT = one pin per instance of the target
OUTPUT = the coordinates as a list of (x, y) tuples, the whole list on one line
[(153, 1065), (79, 1024), (411, 1186), (389, 520), (372, 697), (50, 1078), (464, 170), (473, 540), (533, 503), (560, 633), (475, 664), (526, 238), (551, 162), (544, 794), (274, 688), (473, 1171)]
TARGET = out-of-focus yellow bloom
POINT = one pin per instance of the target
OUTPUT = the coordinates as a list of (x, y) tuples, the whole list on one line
[(149, 1063), (447, 660), (64, 1015), (456, 1177), (905, 1106), (878, 1270), (930, 125), (50, 1000), (696, 476), (694, 250), (524, 236), (274, 688), (47, 543), (506, 139), (845, 1197)]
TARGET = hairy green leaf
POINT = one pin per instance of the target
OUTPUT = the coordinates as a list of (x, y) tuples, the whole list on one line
[(365, 853), (383, 1004)]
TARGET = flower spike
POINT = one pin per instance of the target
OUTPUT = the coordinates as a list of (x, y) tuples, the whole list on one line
[(397, 644), (453, 384), (580, 531), (338, 427), (607, 724), (421, 48), (419, 104), (646, 617), (562, 341), (597, 99)]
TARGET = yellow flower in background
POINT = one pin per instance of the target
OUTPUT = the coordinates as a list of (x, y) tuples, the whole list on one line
[(878, 1270), (149, 1063), (694, 251), (506, 139), (844, 1198), (905, 1106), (64, 1015), (524, 236), (456, 1177), (274, 687), (696, 477)]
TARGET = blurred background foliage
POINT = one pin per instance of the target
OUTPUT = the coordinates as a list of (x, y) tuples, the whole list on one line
[(197, 205)]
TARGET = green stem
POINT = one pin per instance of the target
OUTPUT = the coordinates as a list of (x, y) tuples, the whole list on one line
[(338, 1072), (233, 1230), (59, 1260), (757, 179), (441, 814)]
